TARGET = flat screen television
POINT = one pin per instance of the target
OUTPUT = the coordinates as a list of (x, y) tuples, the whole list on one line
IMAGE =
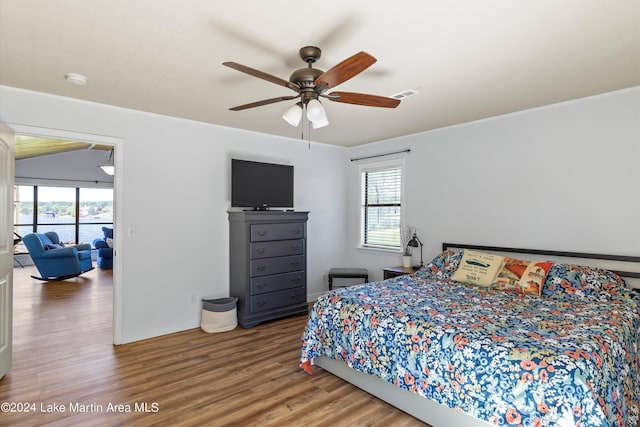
[(261, 186)]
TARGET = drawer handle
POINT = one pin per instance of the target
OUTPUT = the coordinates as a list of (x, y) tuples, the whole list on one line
[(262, 232), (261, 250), (295, 296), (295, 247), (295, 263), (261, 303), (296, 280), (261, 267), (297, 231), (261, 285)]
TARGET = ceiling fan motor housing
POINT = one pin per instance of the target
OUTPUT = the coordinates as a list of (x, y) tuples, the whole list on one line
[(304, 77)]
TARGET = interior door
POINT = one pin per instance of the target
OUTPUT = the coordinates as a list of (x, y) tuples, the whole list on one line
[(7, 138)]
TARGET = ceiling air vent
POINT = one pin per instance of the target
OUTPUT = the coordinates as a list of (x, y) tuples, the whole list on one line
[(405, 94)]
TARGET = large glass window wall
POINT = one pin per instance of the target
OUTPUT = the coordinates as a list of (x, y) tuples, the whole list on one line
[(76, 214)]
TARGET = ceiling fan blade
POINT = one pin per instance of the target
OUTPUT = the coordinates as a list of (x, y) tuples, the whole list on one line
[(364, 99), (345, 70), (264, 102), (262, 75)]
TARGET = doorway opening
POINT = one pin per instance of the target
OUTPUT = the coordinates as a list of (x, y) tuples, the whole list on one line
[(66, 161)]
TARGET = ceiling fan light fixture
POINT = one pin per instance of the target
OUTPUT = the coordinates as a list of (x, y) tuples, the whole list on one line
[(293, 115), (109, 167), (320, 123), (315, 111)]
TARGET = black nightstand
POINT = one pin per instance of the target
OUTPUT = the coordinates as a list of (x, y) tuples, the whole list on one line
[(389, 272)]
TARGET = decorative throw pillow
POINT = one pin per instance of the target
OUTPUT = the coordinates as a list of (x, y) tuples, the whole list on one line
[(518, 275), (478, 268), (109, 242), (53, 246), (574, 281)]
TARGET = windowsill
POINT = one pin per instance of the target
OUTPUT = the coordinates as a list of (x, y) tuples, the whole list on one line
[(381, 251)]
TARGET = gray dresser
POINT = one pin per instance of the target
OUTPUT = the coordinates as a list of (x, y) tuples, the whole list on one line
[(268, 264)]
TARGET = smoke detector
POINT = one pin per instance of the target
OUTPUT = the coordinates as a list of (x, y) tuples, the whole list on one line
[(76, 79)]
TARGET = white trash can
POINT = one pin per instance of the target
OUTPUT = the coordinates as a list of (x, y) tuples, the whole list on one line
[(219, 315)]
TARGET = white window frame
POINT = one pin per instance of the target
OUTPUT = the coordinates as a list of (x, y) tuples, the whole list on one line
[(370, 167)]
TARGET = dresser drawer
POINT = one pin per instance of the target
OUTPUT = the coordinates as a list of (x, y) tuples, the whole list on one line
[(277, 282), (277, 248), (267, 266), (263, 232), (277, 299)]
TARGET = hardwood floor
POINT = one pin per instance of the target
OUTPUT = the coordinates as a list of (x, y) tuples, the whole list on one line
[(63, 357)]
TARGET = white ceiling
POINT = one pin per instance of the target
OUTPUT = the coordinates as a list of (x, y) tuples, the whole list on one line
[(469, 59)]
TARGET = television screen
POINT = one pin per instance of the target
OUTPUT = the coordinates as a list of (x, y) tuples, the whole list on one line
[(261, 185)]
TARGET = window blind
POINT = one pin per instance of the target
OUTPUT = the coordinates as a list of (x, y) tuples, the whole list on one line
[(382, 206)]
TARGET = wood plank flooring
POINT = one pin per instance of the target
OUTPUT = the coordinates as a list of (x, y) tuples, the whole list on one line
[(63, 355)]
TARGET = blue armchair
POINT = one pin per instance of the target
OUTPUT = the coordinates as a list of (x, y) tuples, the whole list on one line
[(104, 256), (55, 261)]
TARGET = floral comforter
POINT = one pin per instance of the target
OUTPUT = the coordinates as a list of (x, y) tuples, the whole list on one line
[(566, 358)]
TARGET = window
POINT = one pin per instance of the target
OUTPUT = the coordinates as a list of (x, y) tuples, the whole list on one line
[(23, 209), (76, 214), (95, 211), (56, 207), (381, 205)]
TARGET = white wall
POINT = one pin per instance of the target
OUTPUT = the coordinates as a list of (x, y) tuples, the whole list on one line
[(176, 194), (561, 177)]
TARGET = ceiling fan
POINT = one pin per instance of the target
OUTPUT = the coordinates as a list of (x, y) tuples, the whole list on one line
[(312, 83)]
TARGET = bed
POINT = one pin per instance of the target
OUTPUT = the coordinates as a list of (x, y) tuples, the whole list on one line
[(453, 353)]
